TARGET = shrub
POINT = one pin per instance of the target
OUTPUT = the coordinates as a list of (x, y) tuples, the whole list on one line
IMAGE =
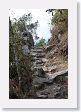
[(41, 43)]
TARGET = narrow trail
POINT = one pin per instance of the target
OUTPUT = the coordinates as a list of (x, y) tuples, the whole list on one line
[(47, 84)]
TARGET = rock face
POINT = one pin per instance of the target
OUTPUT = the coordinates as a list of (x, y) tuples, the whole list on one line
[(28, 37), (48, 83), (57, 47), (59, 40), (28, 42), (25, 49)]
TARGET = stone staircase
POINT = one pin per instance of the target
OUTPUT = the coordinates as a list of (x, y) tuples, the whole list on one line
[(46, 82)]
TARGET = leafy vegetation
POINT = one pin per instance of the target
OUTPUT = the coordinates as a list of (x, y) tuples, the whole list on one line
[(59, 15), (41, 43), (20, 74), (59, 30)]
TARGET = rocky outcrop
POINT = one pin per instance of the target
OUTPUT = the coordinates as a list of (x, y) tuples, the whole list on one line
[(29, 38), (28, 42), (59, 39), (57, 49)]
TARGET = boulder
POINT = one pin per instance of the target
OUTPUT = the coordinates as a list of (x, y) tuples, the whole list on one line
[(40, 72), (57, 74), (62, 93), (27, 36), (51, 69), (44, 60), (42, 80), (26, 50), (42, 96)]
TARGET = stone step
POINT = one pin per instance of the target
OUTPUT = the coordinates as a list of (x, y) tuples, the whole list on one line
[(39, 62), (41, 55), (38, 50), (36, 67), (38, 55), (33, 54), (35, 58)]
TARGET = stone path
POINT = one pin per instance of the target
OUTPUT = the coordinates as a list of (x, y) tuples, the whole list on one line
[(47, 84)]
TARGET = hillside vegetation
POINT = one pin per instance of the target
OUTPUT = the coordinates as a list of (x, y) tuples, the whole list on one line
[(57, 48)]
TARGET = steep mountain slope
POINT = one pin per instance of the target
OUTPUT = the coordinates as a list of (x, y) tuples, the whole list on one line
[(57, 47)]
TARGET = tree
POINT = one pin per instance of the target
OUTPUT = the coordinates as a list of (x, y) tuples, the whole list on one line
[(15, 53), (20, 74), (41, 42), (24, 23), (59, 15)]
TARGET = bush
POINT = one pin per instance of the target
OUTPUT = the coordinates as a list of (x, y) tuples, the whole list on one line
[(41, 43)]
